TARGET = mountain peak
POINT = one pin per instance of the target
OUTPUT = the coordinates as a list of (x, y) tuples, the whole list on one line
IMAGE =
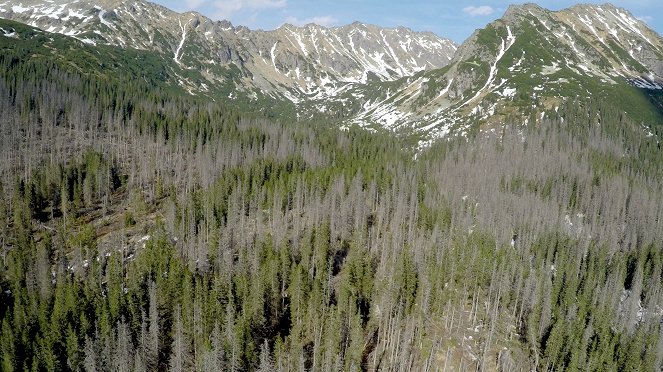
[(525, 6), (292, 61), (517, 10), (526, 63), (591, 6), (388, 76), (287, 26), (107, 4)]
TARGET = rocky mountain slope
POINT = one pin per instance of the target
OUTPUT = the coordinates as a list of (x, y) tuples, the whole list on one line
[(515, 69), (527, 62), (290, 62)]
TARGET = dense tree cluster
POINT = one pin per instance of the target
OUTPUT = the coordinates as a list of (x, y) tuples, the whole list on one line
[(150, 231)]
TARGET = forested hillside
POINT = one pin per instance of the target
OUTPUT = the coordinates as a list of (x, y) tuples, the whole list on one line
[(141, 229)]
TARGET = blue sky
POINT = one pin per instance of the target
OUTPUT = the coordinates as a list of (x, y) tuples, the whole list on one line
[(455, 19)]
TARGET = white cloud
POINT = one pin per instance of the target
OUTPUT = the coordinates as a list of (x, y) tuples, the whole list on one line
[(646, 19), (482, 10), (324, 21), (227, 7)]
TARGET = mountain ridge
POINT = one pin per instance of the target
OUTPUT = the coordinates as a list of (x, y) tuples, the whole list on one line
[(529, 55), (287, 61), (519, 66)]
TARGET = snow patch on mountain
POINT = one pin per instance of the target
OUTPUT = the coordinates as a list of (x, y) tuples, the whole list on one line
[(504, 46), (549, 70), (101, 14), (19, 8), (181, 44), (6, 33)]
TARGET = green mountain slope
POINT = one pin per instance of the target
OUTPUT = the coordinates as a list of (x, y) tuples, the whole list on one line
[(528, 63), (282, 67), (515, 69), (21, 43)]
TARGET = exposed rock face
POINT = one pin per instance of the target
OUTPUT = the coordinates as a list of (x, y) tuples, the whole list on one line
[(305, 60), (514, 69), (526, 63)]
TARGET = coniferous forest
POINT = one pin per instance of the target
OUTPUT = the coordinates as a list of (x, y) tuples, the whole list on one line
[(141, 229)]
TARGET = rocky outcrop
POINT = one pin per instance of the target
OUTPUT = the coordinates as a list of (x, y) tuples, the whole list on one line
[(309, 60)]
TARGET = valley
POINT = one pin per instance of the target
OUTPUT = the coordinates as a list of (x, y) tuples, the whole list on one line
[(178, 193)]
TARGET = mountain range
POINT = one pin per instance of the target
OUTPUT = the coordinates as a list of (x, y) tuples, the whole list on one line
[(518, 66)]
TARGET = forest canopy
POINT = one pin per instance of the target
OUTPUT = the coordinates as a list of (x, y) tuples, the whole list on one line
[(146, 230)]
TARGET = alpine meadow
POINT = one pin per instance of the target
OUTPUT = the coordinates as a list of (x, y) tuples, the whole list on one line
[(179, 193)]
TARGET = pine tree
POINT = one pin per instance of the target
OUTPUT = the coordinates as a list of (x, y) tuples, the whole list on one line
[(266, 361), (180, 355)]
